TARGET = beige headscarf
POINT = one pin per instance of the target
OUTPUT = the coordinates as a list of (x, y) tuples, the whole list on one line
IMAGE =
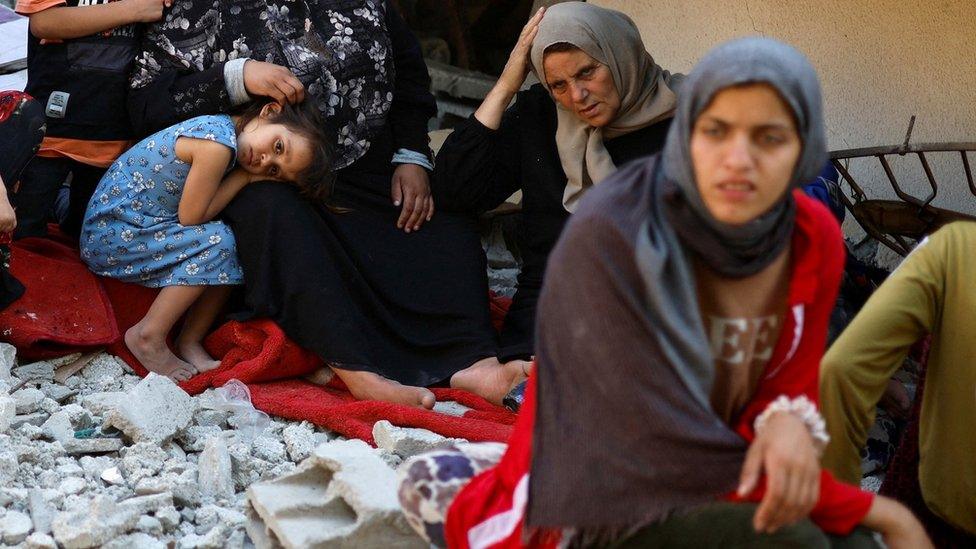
[(647, 92)]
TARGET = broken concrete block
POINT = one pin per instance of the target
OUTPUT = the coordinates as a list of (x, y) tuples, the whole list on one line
[(113, 476), (169, 517), (41, 512), (208, 418), (8, 409), (73, 485), (9, 468), (8, 359), (94, 525), (194, 438), (408, 442), (145, 458), (14, 527), (58, 427), (153, 411), (148, 504), (299, 441), (36, 419), (58, 393), (100, 403), (95, 466), (37, 540), (150, 525), (451, 408), (80, 417), (215, 470), (92, 445), (342, 496), (28, 399), (268, 449), (37, 371)]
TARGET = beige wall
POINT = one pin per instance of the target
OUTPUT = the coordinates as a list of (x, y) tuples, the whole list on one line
[(880, 61)]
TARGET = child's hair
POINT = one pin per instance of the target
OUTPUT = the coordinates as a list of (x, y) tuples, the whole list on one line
[(315, 181)]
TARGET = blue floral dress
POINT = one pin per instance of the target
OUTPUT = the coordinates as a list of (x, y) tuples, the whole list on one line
[(132, 231)]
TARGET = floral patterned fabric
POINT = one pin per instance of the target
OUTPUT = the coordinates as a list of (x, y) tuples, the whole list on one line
[(132, 231), (429, 482), (339, 49)]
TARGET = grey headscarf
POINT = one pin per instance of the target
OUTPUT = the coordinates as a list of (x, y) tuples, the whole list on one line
[(646, 90), (738, 251), (624, 431)]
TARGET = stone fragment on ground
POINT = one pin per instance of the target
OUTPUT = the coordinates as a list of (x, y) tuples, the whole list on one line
[(155, 410), (28, 400), (344, 495), (214, 464), (15, 527), (8, 360), (407, 442), (8, 409)]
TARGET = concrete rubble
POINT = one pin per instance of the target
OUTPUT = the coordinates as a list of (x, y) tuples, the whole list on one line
[(343, 495), (106, 459), (407, 442)]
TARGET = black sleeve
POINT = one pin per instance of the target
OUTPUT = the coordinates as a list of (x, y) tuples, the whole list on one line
[(413, 105), (166, 95), (517, 340), (478, 168)]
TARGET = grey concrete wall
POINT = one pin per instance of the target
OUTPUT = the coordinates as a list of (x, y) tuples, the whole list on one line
[(880, 62)]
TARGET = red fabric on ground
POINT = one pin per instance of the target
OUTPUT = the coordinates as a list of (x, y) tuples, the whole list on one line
[(64, 307)]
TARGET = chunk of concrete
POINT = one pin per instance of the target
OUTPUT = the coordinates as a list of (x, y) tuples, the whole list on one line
[(15, 527), (37, 540), (8, 410), (8, 359), (58, 427), (215, 472), (138, 540), (94, 525), (41, 512), (148, 504), (28, 399), (153, 411), (299, 441), (341, 496), (407, 442), (37, 419), (451, 408), (36, 371), (100, 403), (92, 445)]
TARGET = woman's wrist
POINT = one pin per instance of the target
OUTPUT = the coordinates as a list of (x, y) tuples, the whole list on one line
[(493, 107), (801, 408)]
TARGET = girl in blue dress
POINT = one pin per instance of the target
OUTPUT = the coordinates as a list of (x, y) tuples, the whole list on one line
[(151, 218)]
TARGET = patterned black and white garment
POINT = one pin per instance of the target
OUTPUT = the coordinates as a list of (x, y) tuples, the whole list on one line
[(349, 286)]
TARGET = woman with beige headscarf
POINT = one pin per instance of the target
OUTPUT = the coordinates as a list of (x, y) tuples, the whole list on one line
[(601, 102)]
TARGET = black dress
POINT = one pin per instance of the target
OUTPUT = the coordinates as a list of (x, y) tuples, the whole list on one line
[(350, 286), (478, 168)]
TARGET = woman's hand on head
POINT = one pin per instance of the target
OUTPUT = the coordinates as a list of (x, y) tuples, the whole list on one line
[(785, 451), (517, 67), (411, 189), (274, 81)]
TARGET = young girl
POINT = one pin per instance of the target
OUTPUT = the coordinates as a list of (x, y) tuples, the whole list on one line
[(151, 219)]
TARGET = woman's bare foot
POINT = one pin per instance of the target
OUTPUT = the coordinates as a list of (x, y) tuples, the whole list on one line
[(194, 353), (156, 356), (370, 386), (490, 379), (322, 376)]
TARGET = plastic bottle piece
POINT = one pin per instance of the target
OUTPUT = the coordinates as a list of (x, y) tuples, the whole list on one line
[(231, 397)]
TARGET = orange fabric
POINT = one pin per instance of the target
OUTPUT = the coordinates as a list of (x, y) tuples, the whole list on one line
[(93, 153), (27, 7)]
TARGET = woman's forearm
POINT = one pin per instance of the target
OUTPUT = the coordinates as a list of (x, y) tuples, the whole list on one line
[(493, 107), (896, 524)]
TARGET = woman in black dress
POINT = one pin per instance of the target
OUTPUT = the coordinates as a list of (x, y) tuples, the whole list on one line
[(392, 297), (601, 102)]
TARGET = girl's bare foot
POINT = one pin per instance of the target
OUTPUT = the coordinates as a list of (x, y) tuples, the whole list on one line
[(194, 353), (490, 379), (153, 353), (370, 386)]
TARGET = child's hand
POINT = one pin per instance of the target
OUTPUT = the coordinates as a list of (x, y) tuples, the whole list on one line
[(412, 189), (148, 11), (274, 81)]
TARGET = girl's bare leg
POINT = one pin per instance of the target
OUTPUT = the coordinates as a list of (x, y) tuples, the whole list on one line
[(147, 339), (198, 322)]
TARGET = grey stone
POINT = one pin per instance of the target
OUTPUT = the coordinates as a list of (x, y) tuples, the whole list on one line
[(148, 504), (28, 399), (68, 467), (8, 409), (41, 512), (150, 525), (92, 445), (66, 359), (36, 419), (100, 403), (15, 527), (144, 457), (342, 496), (58, 427), (169, 517), (407, 442), (451, 408), (9, 468), (95, 525), (153, 411), (268, 449), (113, 476), (215, 470), (37, 540), (95, 466), (138, 540), (49, 405), (207, 418), (8, 359), (73, 485), (58, 393), (37, 371), (194, 438), (299, 440), (80, 417)]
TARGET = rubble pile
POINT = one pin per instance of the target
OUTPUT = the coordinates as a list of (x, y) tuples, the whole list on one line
[(107, 459)]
